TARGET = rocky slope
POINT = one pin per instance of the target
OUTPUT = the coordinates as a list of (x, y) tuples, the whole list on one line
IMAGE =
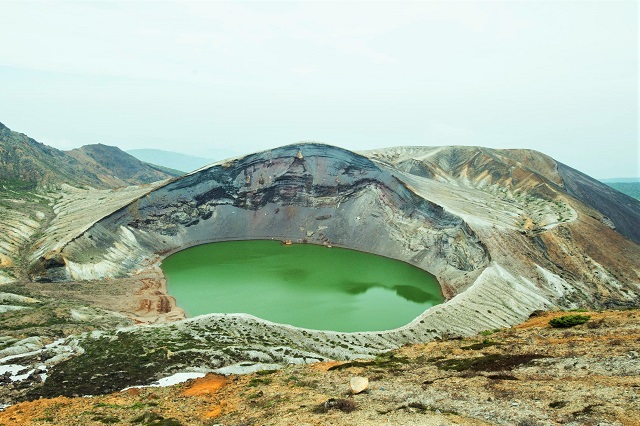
[(621, 210), (531, 374), (35, 223), (115, 168), (498, 228), (27, 164)]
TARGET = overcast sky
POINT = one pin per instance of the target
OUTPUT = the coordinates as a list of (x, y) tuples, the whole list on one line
[(221, 78)]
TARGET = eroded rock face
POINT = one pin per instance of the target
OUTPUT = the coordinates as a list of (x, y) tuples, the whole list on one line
[(304, 193)]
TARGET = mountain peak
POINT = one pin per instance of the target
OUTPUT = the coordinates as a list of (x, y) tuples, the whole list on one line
[(113, 164), (29, 163)]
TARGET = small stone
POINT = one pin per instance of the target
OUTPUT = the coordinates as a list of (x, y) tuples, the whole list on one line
[(633, 354), (358, 384)]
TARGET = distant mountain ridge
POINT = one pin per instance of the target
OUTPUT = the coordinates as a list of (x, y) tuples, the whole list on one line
[(173, 160), (27, 163), (632, 189), (24, 162), (629, 186), (115, 167), (616, 180)]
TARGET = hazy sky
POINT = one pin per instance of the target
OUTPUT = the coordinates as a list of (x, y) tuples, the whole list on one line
[(222, 78)]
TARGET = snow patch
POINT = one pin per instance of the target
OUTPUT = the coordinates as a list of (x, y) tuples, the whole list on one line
[(11, 368), (170, 380)]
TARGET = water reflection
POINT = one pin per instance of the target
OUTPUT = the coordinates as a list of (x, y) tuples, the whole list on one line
[(303, 285)]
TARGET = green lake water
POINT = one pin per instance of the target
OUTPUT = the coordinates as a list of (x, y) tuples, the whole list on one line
[(302, 284)]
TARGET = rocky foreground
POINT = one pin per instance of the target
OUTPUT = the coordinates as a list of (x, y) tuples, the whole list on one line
[(530, 374)]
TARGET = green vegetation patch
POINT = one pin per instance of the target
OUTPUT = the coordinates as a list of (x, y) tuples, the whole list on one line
[(266, 372), (111, 362), (106, 419), (386, 360), (149, 418), (481, 345), (567, 321), (260, 381), (492, 362)]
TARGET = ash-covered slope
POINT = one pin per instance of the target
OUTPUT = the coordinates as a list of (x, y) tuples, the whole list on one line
[(513, 173), (622, 210)]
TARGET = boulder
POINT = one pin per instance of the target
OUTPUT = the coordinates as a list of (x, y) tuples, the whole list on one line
[(358, 384)]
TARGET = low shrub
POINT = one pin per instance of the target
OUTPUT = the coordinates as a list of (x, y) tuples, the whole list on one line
[(481, 345), (567, 321), (490, 362), (558, 404), (346, 405)]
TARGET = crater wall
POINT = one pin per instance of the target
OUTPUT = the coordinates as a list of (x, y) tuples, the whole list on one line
[(303, 193)]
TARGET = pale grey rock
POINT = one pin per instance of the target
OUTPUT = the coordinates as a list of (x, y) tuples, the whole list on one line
[(358, 384), (23, 346)]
